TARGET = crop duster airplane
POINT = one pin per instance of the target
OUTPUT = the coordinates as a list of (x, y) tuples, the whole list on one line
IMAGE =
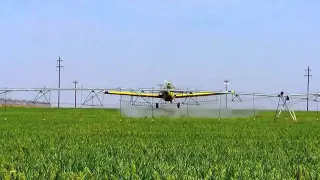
[(168, 93)]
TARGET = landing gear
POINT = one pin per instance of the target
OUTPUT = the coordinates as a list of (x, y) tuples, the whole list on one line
[(178, 105)]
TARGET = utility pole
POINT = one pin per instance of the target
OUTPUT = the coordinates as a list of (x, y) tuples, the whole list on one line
[(226, 82), (59, 67), (75, 93), (308, 85)]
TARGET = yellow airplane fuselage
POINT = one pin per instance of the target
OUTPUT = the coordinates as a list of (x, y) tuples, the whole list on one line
[(167, 95)]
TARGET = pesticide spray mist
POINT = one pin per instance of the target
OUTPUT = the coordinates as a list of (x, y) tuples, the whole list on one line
[(185, 111)]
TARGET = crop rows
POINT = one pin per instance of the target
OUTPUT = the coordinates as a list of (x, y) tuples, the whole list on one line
[(95, 144)]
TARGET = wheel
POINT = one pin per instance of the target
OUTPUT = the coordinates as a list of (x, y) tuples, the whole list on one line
[(157, 105), (178, 105)]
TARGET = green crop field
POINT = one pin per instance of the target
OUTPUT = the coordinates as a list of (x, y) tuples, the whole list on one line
[(95, 144)]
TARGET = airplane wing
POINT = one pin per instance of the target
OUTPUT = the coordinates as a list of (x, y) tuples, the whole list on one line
[(198, 94), (128, 93)]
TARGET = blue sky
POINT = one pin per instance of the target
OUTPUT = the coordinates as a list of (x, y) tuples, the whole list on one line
[(261, 46)]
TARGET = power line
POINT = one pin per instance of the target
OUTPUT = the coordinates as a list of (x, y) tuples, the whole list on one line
[(308, 85), (59, 67), (75, 93)]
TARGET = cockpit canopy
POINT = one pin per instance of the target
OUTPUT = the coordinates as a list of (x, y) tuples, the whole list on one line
[(168, 85)]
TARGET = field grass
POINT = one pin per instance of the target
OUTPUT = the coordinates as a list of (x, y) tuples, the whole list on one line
[(95, 144)]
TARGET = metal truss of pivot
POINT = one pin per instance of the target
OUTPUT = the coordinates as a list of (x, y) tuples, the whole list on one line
[(91, 96), (255, 96), (41, 94), (282, 103), (316, 100), (136, 102), (5, 100), (4, 92), (236, 96), (195, 101)]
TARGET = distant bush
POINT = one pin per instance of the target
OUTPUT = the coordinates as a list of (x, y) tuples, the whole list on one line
[(22, 103)]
